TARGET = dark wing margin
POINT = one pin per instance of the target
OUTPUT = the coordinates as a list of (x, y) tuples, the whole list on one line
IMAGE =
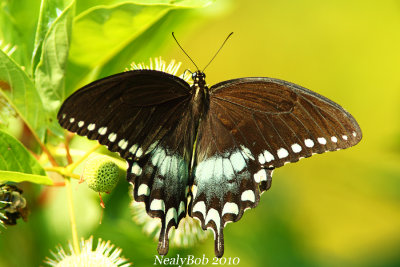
[(253, 126), (142, 115)]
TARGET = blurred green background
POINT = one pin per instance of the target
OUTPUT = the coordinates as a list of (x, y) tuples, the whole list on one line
[(335, 209)]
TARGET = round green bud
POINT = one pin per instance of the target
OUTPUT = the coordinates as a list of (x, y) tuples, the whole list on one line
[(101, 173)]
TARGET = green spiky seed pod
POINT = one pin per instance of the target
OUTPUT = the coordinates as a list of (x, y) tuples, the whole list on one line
[(101, 173)]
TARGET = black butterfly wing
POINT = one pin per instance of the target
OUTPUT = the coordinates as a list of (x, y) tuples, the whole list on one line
[(143, 115), (253, 126)]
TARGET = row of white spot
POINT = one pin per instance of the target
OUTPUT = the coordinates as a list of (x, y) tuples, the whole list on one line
[(266, 156), (112, 137), (211, 215), (218, 166), (158, 204), (229, 207)]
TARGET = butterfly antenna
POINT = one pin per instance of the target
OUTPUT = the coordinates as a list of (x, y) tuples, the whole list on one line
[(218, 51), (173, 35)]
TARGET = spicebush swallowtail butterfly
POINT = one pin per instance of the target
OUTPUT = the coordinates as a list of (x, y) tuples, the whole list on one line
[(205, 152)]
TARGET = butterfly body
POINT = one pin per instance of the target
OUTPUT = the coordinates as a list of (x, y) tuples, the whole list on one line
[(208, 153)]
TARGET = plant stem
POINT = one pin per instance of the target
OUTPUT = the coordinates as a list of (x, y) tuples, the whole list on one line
[(68, 138), (75, 240), (72, 166), (62, 171)]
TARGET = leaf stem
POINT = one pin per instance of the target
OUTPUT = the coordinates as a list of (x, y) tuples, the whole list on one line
[(74, 231)]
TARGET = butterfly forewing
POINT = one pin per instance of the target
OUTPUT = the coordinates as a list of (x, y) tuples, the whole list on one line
[(127, 112), (282, 122)]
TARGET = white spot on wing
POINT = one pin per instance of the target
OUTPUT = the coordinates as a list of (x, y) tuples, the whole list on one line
[(261, 159), (296, 148), (165, 165), (213, 215), (238, 161), (64, 115), (91, 127), (344, 137), (102, 130), (171, 214), (112, 137), (181, 208), (228, 169), (230, 207), (157, 204), (309, 143), (136, 169), (321, 140), (248, 195), (200, 207), (81, 123), (218, 167), (334, 139), (71, 120), (261, 175), (354, 134), (282, 153), (143, 190), (123, 144), (133, 149), (139, 152), (268, 156)]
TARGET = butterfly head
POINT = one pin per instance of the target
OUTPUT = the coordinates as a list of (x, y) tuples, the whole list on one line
[(199, 78)]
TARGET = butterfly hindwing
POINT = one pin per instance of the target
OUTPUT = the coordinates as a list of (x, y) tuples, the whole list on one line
[(161, 182), (161, 177)]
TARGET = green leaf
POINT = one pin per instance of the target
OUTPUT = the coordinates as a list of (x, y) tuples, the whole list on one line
[(102, 32), (50, 10), (87, 4), (18, 177), (50, 71), (104, 35), (15, 157), (18, 26), (21, 94), (147, 44)]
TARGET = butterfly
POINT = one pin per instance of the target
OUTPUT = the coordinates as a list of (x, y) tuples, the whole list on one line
[(205, 152)]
